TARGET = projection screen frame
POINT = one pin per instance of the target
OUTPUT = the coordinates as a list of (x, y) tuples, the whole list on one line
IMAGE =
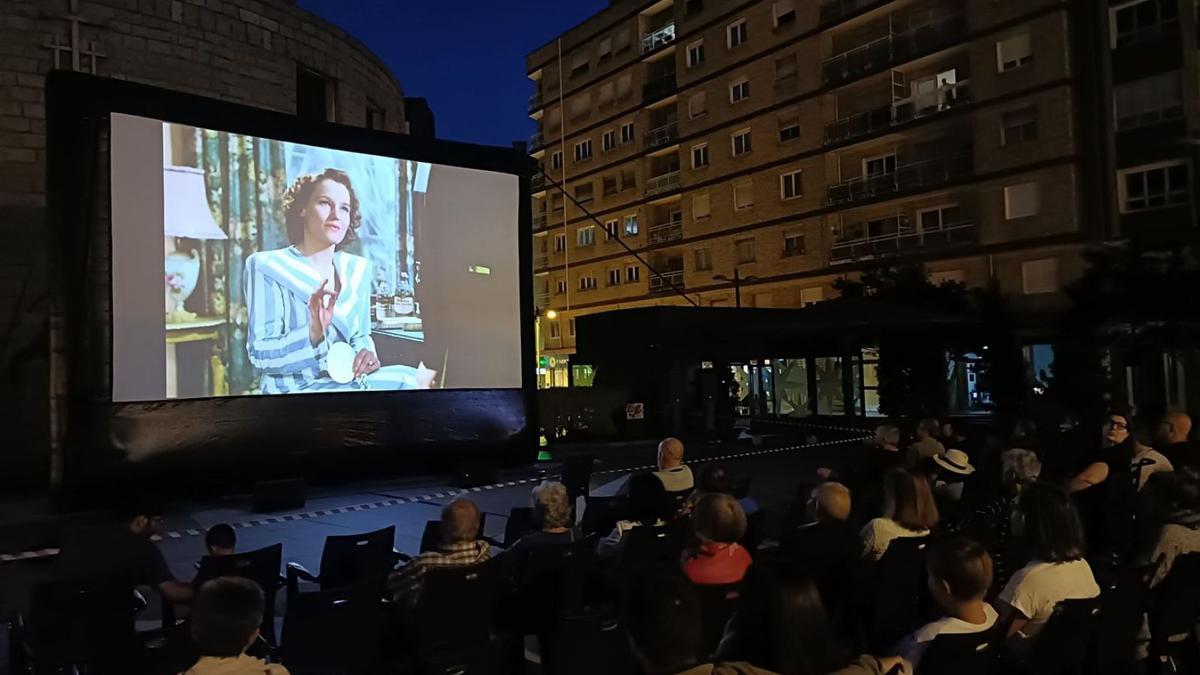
[(239, 439)]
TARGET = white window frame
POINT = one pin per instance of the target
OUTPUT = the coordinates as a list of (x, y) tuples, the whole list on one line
[(585, 236), (1005, 141), (790, 8), (740, 86), (555, 330), (1114, 37), (570, 326), (701, 148), (797, 180), (588, 282), (940, 208), (747, 146), (556, 160), (628, 135), (1009, 192), (737, 28), (612, 228), (560, 286), (876, 158), (614, 276), (1147, 116), (631, 218), (1005, 64), (795, 234), (633, 274), (1122, 188), (695, 54), (583, 150)]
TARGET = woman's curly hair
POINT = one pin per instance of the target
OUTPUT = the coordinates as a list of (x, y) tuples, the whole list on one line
[(296, 198)]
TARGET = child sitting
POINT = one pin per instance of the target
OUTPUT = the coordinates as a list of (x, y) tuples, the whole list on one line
[(225, 620)]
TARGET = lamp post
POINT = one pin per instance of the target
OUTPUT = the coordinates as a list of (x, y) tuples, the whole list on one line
[(737, 280)]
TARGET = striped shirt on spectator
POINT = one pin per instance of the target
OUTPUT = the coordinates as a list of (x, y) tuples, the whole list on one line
[(405, 583)]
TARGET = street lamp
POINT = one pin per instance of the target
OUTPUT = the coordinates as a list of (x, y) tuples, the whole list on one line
[(737, 280)]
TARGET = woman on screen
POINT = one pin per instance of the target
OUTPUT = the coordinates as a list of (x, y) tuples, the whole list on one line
[(307, 300)]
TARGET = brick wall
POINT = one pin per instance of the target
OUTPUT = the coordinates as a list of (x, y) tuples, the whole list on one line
[(243, 51)]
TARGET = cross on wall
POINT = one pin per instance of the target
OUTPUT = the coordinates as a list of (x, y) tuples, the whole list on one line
[(74, 44)]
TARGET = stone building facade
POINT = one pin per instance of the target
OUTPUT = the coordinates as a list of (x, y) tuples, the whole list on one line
[(264, 53)]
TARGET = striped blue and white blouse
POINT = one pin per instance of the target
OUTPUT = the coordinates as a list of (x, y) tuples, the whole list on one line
[(278, 286)]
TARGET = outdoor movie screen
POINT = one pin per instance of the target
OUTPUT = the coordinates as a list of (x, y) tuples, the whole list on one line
[(290, 268)]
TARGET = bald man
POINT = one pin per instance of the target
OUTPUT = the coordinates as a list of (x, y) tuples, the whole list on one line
[(460, 547), (1171, 439), (827, 545), (674, 474)]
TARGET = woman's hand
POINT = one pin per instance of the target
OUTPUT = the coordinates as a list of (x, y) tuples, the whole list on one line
[(320, 314), (425, 377), (365, 363)]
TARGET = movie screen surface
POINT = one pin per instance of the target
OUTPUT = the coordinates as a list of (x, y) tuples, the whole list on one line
[(289, 268)]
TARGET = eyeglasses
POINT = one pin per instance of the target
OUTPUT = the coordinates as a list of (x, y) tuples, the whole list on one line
[(1118, 425)]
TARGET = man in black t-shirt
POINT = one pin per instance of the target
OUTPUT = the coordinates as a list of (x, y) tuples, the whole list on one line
[(123, 549)]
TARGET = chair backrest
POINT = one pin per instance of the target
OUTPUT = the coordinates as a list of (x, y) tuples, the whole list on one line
[(261, 566), (588, 645), (456, 606), (647, 545), (335, 631), (717, 605), (553, 582), (600, 515), (1062, 645), (954, 654), (678, 499), (349, 559), (1177, 606), (431, 537), (520, 522), (85, 622), (901, 594)]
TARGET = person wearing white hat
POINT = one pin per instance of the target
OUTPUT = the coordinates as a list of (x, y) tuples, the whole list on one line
[(953, 472)]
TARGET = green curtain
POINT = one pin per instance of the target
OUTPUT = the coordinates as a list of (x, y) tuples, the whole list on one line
[(246, 181)]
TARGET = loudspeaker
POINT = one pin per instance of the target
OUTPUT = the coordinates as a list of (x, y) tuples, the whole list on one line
[(278, 495)]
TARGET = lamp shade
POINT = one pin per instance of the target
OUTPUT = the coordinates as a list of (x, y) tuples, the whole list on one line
[(185, 205)]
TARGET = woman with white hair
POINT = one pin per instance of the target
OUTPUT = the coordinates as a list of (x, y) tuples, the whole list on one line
[(991, 524), (552, 513)]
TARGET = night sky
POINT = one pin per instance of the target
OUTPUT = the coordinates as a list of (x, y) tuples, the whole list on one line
[(466, 57)]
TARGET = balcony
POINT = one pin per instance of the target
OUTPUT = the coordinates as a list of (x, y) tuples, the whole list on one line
[(666, 282), (914, 107), (666, 232), (906, 178), (659, 38), (541, 299), (658, 88), (535, 102), (834, 10), (535, 141), (537, 182), (905, 238), (893, 49), (660, 137), (540, 220), (541, 261), (664, 183)]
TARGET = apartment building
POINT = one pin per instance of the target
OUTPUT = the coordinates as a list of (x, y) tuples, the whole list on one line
[(762, 149)]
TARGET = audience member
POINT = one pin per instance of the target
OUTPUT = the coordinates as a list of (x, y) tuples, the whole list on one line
[(826, 546), (951, 436), (1173, 520), (676, 477), (926, 445), (789, 632), (552, 514), (123, 549), (908, 511), (225, 622), (952, 475), (648, 504), (991, 523), (715, 478), (863, 474), (1050, 528), (459, 547), (959, 574), (1172, 437), (220, 540), (719, 559), (1122, 453)]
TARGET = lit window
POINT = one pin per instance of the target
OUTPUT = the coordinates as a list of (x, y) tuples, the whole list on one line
[(585, 236), (631, 224)]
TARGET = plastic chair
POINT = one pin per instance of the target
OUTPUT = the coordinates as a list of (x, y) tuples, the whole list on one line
[(520, 522), (1061, 648), (588, 645), (552, 584), (950, 654), (349, 559), (334, 632), (651, 546), (1173, 617), (1123, 599), (900, 595), (84, 625), (431, 537), (260, 566), (600, 516), (717, 605), (454, 608)]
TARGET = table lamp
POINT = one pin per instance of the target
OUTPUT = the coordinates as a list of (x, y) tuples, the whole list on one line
[(185, 214)]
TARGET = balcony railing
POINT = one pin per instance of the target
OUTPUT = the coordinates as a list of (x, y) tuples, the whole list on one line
[(540, 220), (666, 281), (535, 101), (832, 10), (906, 177), (905, 238), (1165, 28), (663, 183), (538, 182), (872, 121), (535, 141), (658, 88), (661, 37), (541, 299), (661, 234), (893, 48), (541, 261), (663, 136)]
